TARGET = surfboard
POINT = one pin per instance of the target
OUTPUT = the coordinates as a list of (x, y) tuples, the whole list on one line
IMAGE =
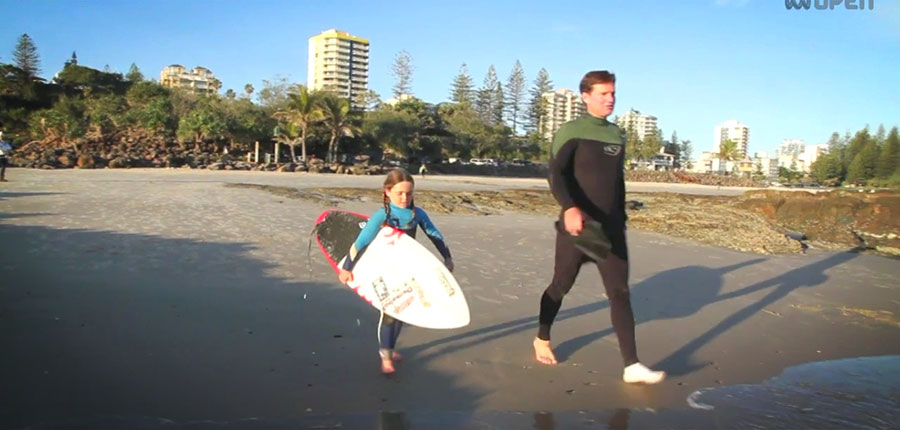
[(395, 273)]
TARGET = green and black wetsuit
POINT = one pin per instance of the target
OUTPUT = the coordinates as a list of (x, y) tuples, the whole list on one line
[(587, 172)]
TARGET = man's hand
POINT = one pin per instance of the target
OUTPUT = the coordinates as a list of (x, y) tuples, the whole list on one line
[(573, 221), (345, 276)]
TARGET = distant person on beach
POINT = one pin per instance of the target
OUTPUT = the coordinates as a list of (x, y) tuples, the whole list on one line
[(5, 150), (587, 179), (400, 212), (423, 169)]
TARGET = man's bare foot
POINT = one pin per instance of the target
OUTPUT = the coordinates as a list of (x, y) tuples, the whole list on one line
[(387, 366), (542, 352)]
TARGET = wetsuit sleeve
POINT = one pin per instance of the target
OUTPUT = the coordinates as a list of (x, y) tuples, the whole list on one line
[(621, 186), (432, 232), (562, 168), (365, 237)]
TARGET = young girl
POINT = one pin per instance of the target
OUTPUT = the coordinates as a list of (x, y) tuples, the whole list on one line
[(398, 212)]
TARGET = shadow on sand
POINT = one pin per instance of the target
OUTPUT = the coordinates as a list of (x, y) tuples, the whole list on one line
[(103, 329), (694, 287)]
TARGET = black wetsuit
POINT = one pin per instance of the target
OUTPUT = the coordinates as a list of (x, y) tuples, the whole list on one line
[(587, 172)]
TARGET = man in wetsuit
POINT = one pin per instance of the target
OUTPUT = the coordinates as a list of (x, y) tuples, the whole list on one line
[(587, 179)]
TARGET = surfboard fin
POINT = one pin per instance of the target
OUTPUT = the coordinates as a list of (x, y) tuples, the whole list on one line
[(592, 240)]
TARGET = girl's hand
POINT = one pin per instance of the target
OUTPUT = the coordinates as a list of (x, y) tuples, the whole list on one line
[(449, 263), (345, 276)]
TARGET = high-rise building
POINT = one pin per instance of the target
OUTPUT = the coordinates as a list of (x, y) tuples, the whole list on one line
[(734, 130), (199, 80), (561, 106), (339, 62), (643, 125)]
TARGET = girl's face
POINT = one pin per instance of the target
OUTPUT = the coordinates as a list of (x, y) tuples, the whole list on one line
[(401, 194)]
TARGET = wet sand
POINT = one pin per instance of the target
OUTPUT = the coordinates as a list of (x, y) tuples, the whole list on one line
[(165, 294)]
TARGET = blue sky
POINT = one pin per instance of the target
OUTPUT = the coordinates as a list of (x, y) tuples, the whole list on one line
[(693, 64)]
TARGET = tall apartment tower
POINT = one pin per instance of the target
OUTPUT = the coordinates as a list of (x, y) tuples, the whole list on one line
[(643, 125), (339, 62), (561, 106), (738, 132)]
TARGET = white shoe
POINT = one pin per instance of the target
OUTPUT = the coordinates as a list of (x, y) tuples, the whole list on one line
[(638, 373)]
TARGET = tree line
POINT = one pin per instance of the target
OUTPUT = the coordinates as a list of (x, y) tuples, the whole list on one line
[(860, 159)]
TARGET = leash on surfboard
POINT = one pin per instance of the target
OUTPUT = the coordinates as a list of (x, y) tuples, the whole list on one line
[(309, 270)]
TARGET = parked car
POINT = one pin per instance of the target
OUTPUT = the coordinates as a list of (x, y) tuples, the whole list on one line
[(483, 161)]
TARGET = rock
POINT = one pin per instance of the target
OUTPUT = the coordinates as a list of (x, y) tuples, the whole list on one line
[(65, 161), (289, 167), (216, 166), (119, 163), (85, 161)]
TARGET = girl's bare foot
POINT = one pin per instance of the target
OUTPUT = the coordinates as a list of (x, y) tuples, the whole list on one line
[(542, 352), (387, 366)]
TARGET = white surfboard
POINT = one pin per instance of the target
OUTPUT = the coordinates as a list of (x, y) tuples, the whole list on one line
[(400, 276)]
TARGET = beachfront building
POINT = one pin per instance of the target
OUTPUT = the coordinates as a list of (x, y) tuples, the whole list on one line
[(763, 163), (339, 62), (199, 80), (738, 132), (561, 106), (793, 147), (643, 125)]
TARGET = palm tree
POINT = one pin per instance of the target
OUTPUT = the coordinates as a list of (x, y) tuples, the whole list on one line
[(303, 111), (288, 134), (728, 150), (337, 121)]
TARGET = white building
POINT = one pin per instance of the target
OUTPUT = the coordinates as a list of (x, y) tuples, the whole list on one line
[(199, 80), (738, 132), (562, 105), (793, 147), (643, 125), (339, 62), (812, 153), (768, 166)]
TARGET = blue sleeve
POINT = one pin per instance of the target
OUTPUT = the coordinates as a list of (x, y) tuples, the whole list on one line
[(432, 232), (365, 237), (368, 233)]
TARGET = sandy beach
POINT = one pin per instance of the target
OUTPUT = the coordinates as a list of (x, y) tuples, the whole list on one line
[(154, 295)]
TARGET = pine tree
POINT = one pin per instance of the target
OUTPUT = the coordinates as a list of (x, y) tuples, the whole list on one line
[(855, 146), (880, 135), (134, 74), (497, 108), (514, 96), (686, 153), (485, 104), (462, 91), (537, 106), (72, 61), (26, 57), (402, 71), (862, 168), (889, 160)]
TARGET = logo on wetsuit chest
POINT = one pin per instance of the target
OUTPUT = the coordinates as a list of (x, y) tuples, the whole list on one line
[(612, 150)]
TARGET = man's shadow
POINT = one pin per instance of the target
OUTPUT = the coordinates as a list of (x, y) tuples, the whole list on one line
[(682, 361), (689, 288), (705, 285)]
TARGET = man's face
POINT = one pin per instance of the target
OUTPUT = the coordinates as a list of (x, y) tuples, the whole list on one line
[(601, 100)]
